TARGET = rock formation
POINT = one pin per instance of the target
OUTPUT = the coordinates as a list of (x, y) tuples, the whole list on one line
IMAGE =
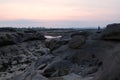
[(28, 56), (76, 42)]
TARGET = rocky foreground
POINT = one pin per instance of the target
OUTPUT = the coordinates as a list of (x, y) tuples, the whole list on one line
[(79, 55)]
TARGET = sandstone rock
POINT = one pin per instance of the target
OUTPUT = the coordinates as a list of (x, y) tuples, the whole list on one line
[(52, 44), (33, 36), (71, 76), (111, 32), (89, 70), (6, 40), (13, 38), (41, 51), (55, 43), (56, 78), (29, 59), (76, 42), (43, 60), (14, 62), (17, 57), (58, 68), (111, 66), (37, 76), (29, 76)]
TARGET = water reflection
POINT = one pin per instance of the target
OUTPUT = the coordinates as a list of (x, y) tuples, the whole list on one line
[(52, 37)]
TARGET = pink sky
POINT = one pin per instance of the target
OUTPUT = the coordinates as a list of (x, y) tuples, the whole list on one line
[(99, 12)]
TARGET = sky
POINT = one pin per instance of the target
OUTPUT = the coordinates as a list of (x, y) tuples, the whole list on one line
[(59, 13)]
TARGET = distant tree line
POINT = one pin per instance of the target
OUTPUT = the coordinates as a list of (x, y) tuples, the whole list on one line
[(35, 29)]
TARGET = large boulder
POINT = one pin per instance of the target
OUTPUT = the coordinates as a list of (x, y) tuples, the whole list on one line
[(55, 43), (76, 42), (111, 66), (111, 32)]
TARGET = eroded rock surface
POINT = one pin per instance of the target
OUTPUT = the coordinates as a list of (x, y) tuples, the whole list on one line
[(76, 41), (27, 56)]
